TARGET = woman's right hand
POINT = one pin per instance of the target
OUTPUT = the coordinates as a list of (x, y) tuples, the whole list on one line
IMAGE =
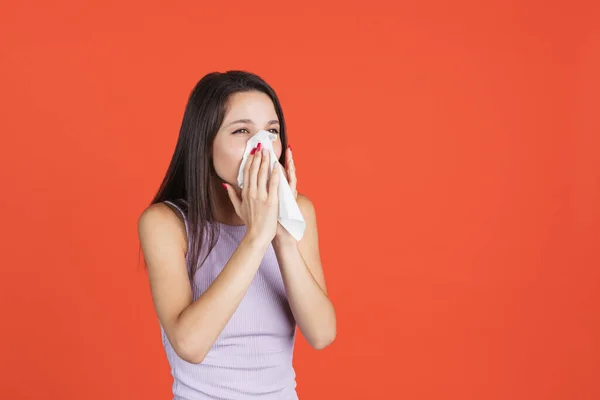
[(259, 203)]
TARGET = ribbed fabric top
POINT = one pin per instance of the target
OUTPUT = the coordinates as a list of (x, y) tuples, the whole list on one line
[(252, 357)]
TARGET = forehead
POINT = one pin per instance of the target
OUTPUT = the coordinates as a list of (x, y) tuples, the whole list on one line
[(251, 105)]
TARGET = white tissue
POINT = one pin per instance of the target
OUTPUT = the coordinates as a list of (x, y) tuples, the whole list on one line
[(289, 216)]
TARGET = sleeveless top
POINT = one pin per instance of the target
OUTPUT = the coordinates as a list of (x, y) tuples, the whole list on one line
[(252, 357)]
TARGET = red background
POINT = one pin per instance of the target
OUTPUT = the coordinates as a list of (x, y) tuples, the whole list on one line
[(451, 150)]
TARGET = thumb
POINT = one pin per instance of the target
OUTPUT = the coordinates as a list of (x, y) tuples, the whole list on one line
[(235, 200)]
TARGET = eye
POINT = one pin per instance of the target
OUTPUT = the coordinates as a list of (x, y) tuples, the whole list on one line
[(239, 130), (276, 131)]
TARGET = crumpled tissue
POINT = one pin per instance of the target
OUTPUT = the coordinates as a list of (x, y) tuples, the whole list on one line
[(289, 215)]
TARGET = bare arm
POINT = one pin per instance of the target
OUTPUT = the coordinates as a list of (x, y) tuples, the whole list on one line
[(302, 273), (192, 327)]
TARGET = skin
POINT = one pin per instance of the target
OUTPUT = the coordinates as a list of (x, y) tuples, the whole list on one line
[(193, 326)]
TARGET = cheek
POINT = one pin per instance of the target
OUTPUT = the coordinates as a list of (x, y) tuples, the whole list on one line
[(227, 159)]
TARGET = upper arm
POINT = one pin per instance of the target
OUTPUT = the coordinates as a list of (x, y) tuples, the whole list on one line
[(309, 244), (164, 244)]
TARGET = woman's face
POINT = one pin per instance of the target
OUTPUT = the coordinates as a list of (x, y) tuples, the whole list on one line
[(256, 111)]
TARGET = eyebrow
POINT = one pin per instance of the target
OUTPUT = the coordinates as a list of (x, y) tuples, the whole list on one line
[(249, 121)]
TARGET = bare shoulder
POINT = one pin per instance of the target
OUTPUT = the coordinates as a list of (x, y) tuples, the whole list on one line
[(160, 225), (306, 206)]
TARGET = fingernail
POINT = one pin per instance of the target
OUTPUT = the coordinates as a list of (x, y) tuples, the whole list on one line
[(289, 146), (259, 145), (224, 185), (253, 151)]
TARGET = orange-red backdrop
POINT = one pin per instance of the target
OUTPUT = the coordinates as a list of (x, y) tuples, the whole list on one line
[(450, 148)]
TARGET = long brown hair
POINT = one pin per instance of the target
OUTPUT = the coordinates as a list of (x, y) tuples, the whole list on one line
[(187, 181)]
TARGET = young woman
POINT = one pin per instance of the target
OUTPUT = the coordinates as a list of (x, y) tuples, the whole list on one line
[(228, 282)]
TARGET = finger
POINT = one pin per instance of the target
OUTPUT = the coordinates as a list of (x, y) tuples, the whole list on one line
[(252, 179), (233, 196), (274, 184), (247, 175), (289, 158), (263, 174), (291, 170)]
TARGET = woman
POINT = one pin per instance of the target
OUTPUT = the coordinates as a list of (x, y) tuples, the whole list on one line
[(228, 282)]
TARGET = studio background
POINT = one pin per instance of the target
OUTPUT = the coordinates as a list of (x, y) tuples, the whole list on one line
[(451, 150)]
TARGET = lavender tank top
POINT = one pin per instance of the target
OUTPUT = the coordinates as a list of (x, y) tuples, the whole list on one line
[(252, 357)]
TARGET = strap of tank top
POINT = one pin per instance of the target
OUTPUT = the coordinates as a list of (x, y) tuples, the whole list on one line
[(182, 214)]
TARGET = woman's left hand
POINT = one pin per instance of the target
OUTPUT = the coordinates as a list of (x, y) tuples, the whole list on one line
[(282, 235)]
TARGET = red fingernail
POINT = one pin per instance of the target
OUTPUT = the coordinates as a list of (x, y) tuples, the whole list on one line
[(258, 147), (224, 186), (289, 146), (253, 151)]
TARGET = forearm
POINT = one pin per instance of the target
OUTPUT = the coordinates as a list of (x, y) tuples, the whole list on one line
[(200, 324), (312, 309)]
